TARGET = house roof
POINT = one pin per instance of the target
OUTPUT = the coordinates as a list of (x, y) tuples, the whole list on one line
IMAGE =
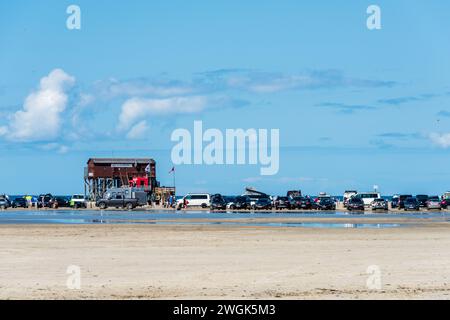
[(122, 160)]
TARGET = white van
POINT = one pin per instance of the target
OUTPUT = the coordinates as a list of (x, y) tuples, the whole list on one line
[(368, 197), (195, 200)]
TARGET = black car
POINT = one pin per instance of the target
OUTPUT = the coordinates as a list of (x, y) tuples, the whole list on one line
[(62, 202), (263, 204), (422, 199), (394, 202), (326, 204), (241, 203), (401, 200), (46, 201), (306, 203), (218, 202), (301, 203), (411, 204), (20, 203), (282, 203), (355, 203)]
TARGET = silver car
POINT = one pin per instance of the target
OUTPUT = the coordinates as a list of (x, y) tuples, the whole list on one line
[(379, 204), (4, 202), (433, 203)]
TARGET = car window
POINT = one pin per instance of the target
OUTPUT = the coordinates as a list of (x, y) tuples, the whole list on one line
[(199, 196)]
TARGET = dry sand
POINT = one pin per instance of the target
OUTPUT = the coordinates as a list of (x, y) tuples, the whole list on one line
[(223, 262)]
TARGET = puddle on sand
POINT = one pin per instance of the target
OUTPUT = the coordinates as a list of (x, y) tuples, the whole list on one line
[(322, 225), (164, 217)]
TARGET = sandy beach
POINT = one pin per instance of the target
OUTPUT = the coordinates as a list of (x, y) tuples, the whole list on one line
[(224, 262)]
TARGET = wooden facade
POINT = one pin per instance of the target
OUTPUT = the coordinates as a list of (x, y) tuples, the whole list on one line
[(102, 174)]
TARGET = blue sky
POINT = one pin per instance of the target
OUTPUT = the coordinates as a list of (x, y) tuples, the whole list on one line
[(355, 107)]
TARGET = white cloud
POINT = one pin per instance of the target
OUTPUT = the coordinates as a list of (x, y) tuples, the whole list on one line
[(3, 131), (442, 140), (269, 82), (157, 88), (135, 109), (63, 149), (40, 118), (140, 88), (138, 131), (53, 146)]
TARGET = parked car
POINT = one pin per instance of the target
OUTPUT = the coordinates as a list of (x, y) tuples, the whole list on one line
[(326, 204), (411, 204), (229, 201), (316, 201), (78, 201), (218, 202), (63, 202), (306, 203), (445, 203), (241, 203), (301, 203), (348, 194), (434, 202), (422, 199), (46, 201), (394, 201), (368, 197), (117, 200), (263, 204), (379, 204), (401, 200), (255, 197), (282, 203), (4, 202), (322, 195), (194, 200), (356, 204), (19, 202)]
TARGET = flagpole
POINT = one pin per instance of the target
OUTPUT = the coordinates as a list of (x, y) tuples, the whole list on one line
[(174, 187)]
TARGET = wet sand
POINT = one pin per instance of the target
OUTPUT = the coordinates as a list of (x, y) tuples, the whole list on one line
[(224, 262)]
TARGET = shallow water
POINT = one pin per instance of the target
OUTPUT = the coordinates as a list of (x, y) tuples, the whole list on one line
[(166, 217)]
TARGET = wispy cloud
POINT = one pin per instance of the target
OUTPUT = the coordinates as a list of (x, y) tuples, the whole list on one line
[(136, 109), (443, 113), (408, 99), (440, 139), (138, 131), (400, 135), (345, 108), (388, 140), (149, 87), (53, 146), (269, 82)]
